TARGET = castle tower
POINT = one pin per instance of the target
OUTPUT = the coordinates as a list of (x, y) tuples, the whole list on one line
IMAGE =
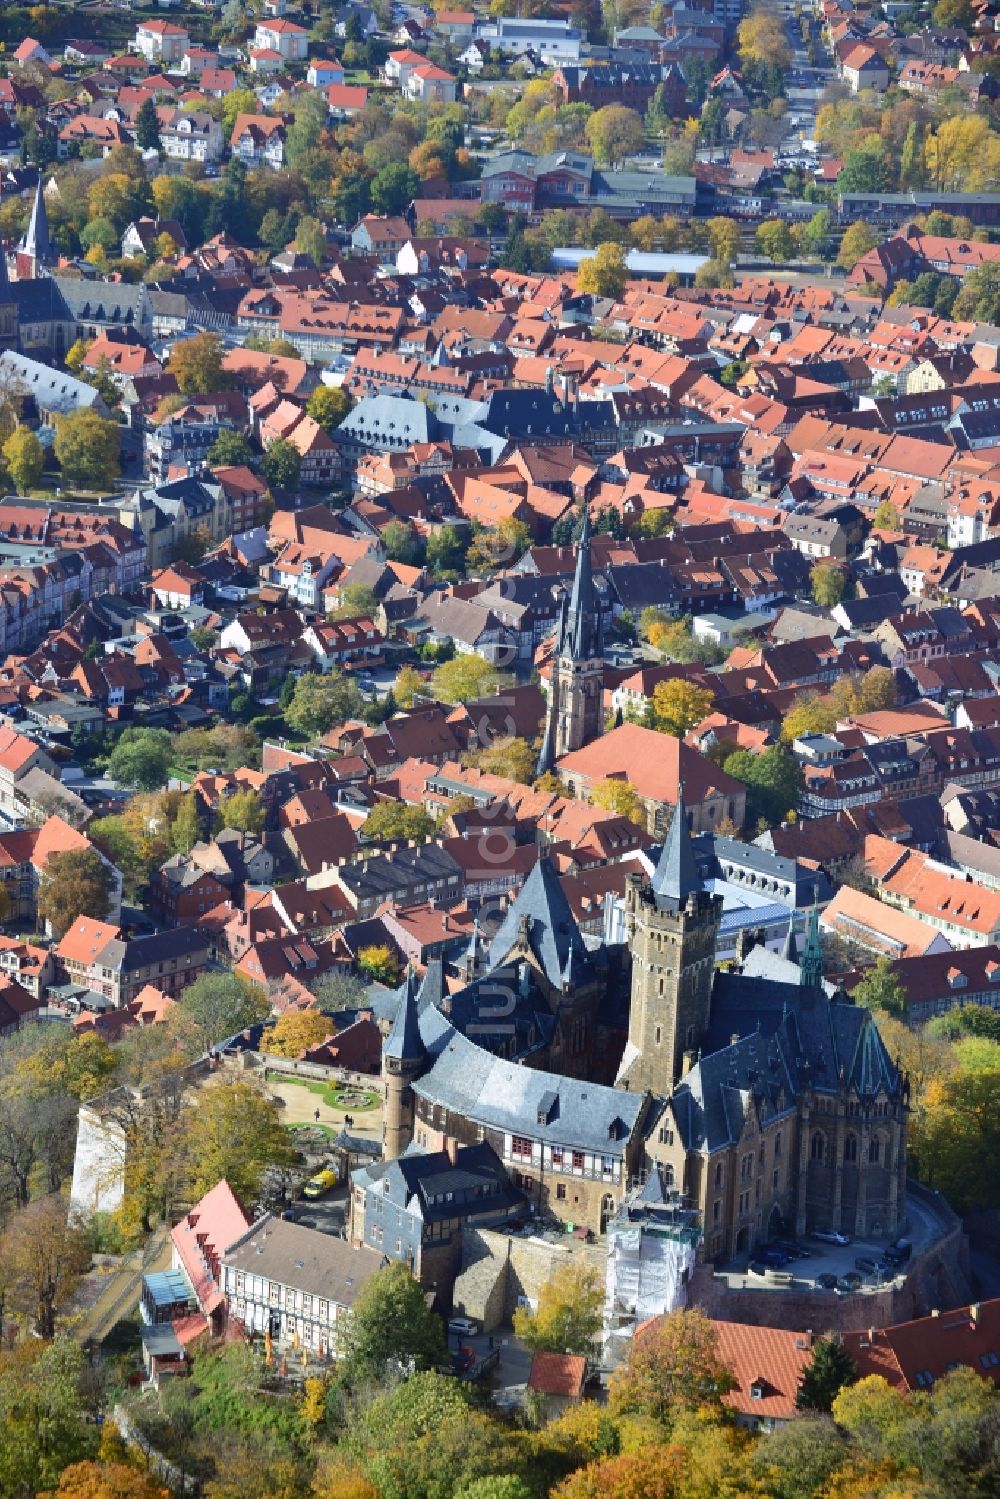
[(403, 1056), (673, 925), (575, 712), (35, 250)]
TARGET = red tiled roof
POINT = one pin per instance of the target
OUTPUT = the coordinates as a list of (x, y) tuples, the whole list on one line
[(558, 1374)]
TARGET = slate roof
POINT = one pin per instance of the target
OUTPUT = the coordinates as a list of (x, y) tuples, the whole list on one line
[(403, 1042), (417, 1179), (551, 928)]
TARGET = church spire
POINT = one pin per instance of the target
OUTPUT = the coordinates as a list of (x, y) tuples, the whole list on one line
[(580, 637), (36, 247), (676, 874), (811, 962)]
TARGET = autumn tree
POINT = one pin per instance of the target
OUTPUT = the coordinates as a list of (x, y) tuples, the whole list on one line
[(242, 811), (25, 459), (407, 683), (613, 133), (235, 1134), (858, 238), (724, 236), (297, 1031), (45, 1257), (320, 702), (569, 1314), (678, 705), (762, 38), (515, 759), (196, 364), (328, 405), (605, 273), (392, 821), (621, 797), (75, 882), (498, 546), (673, 1364), (379, 964), (827, 583), (87, 447), (106, 1480), (774, 239), (465, 677), (886, 517)]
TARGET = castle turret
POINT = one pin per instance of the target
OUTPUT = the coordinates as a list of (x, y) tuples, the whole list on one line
[(403, 1055)]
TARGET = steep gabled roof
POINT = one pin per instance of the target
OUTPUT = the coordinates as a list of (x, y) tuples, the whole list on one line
[(542, 911)]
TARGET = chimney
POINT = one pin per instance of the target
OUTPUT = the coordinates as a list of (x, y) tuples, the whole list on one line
[(935, 1312), (734, 1038), (451, 1150), (974, 1311), (872, 1334), (687, 1062)]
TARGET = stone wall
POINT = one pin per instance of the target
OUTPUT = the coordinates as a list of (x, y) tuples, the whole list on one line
[(938, 1279), (501, 1273)]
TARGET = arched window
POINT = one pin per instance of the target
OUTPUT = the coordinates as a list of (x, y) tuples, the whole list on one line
[(817, 1150), (874, 1150), (668, 1175), (718, 1175), (851, 1148)]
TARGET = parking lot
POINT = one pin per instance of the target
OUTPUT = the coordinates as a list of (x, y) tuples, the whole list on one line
[(818, 1259)]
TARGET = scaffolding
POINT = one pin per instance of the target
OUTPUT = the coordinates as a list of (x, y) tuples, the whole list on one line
[(652, 1248)]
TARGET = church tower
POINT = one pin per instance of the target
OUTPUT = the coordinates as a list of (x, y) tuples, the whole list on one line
[(811, 961), (576, 712), (35, 249), (403, 1056), (672, 925)]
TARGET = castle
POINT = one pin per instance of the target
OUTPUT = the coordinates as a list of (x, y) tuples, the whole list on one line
[(767, 1105)]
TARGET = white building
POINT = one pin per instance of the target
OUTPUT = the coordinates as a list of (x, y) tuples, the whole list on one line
[(161, 41), (554, 41), (282, 36), (192, 137)]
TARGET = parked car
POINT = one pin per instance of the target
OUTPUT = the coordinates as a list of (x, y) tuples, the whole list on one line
[(775, 1259), (827, 1281), (463, 1327), (870, 1265), (851, 1281), (324, 1181), (899, 1253), (830, 1236), (791, 1248)]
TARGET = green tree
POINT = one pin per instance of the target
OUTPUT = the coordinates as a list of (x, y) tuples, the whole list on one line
[(465, 677), (215, 1007), (604, 274), (818, 234), (880, 989), (25, 459), (140, 758), (773, 780), (282, 464), (830, 1369), (320, 702), (45, 1422), (865, 168), (494, 547), (515, 759), (357, 601), (392, 1329), (954, 14), (402, 543), (391, 821), (196, 364), (775, 240), (185, 830), (886, 517), (229, 450), (979, 297), (569, 1314), (328, 405), (86, 447), (408, 682), (858, 238), (75, 882), (445, 551), (147, 127), (393, 188), (827, 583)]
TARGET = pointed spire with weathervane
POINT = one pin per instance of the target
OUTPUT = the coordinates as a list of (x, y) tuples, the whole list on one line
[(811, 961), (35, 249)]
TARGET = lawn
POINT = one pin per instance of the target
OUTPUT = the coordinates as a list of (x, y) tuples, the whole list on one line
[(335, 1095)]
